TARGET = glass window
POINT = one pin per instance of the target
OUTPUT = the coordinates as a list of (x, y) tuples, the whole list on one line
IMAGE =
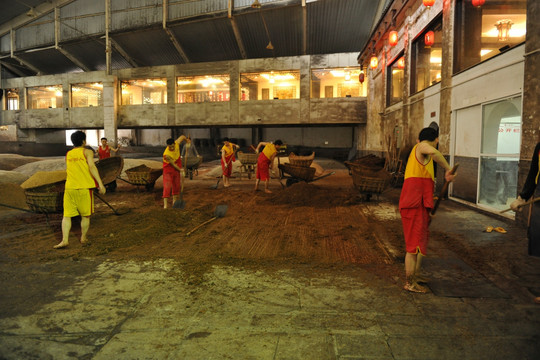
[(426, 56), (144, 91), (499, 156), (485, 31), (270, 85), (45, 97), (395, 81), (336, 82), (12, 99), (207, 88), (85, 95)]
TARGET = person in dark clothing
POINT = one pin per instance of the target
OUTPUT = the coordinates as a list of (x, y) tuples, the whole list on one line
[(531, 188)]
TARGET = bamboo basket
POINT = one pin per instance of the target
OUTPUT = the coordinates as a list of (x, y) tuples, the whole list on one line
[(300, 172), (301, 160), (48, 199), (370, 182), (247, 158), (143, 175), (109, 169)]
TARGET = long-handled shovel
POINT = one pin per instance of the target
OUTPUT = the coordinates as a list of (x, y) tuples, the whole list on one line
[(444, 190), (219, 179), (180, 203), (116, 212), (530, 201), (219, 212)]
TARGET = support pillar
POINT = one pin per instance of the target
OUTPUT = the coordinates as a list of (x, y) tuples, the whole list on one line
[(110, 109)]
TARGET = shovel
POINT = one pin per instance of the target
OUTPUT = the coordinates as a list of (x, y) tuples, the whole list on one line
[(219, 212), (116, 212), (219, 179), (180, 203)]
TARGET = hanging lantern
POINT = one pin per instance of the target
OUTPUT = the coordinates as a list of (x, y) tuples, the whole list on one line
[(429, 39), (374, 62), (401, 63), (362, 77), (478, 3), (393, 38), (428, 3)]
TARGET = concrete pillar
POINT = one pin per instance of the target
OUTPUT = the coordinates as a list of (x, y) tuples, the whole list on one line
[(171, 96), (445, 108), (305, 85), (234, 92), (110, 108)]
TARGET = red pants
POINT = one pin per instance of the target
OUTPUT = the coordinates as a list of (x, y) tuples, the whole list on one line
[(263, 166), (415, 229), (227, 171), (171, 183)]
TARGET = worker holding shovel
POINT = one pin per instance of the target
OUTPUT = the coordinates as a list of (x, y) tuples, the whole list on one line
[(172, 169), (227, 158), (416, 201), (265, 162)]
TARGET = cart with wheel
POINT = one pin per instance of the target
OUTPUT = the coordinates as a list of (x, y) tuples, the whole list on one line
[(248, 161), (369, 182), (142, 175), (296, 173)]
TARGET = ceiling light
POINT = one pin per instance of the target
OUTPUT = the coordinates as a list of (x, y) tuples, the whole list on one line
[(256, 4), (31, 13), (270, 46)]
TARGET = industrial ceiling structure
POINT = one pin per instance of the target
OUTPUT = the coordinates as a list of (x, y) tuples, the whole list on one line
[(40, 37)]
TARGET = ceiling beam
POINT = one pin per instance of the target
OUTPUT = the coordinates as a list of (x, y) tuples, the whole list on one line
[(236, 31), (168, 31), (124, 53), (66, 53), (22, 62), (12, 68), (304, 27), (42, 9)]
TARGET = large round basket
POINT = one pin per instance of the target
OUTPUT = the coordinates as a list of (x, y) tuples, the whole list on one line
[(48, 199), (305, 173), (143, 175), (109, 169), (247, 158), (304, 161)]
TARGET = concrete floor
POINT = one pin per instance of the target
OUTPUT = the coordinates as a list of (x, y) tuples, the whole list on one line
[(480, 306)]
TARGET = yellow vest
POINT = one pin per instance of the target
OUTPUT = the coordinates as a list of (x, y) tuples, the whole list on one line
[(415, 169), (269, 150), (78, 174), (229, 150)]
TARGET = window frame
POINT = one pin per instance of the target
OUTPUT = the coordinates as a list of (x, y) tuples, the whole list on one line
[(437, 27)]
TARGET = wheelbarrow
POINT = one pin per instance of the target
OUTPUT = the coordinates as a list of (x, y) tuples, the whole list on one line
[(369, 182), (294, 174), (142, 175), (192, 165), (248, 161)]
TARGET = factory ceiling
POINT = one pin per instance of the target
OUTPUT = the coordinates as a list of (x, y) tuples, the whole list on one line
[(51, 37)]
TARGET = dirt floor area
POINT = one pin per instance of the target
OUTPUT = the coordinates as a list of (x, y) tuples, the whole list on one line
[(323, 224)]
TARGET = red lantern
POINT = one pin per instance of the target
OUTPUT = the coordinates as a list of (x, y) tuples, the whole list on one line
[(393, 38), (429, 38), (428, 3), (361, 77), (478, 3), (401, 63), (374, 62)]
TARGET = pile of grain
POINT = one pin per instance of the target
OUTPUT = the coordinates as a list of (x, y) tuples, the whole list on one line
[(42, 178)]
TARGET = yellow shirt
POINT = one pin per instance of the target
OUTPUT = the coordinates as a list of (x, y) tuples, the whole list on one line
[(174, 155), (229, 150), (78, 173), (269, 150), (415, 169)]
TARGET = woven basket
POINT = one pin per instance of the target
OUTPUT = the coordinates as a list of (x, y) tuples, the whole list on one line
[(368, 183), (300, 172), (193, 161), (301, 160), (109, 169), (143, 175), (247, 158), (46, 199)]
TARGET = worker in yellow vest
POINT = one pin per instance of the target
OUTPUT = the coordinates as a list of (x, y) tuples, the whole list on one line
[(416, 202), (265, 162), (82, 178)]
